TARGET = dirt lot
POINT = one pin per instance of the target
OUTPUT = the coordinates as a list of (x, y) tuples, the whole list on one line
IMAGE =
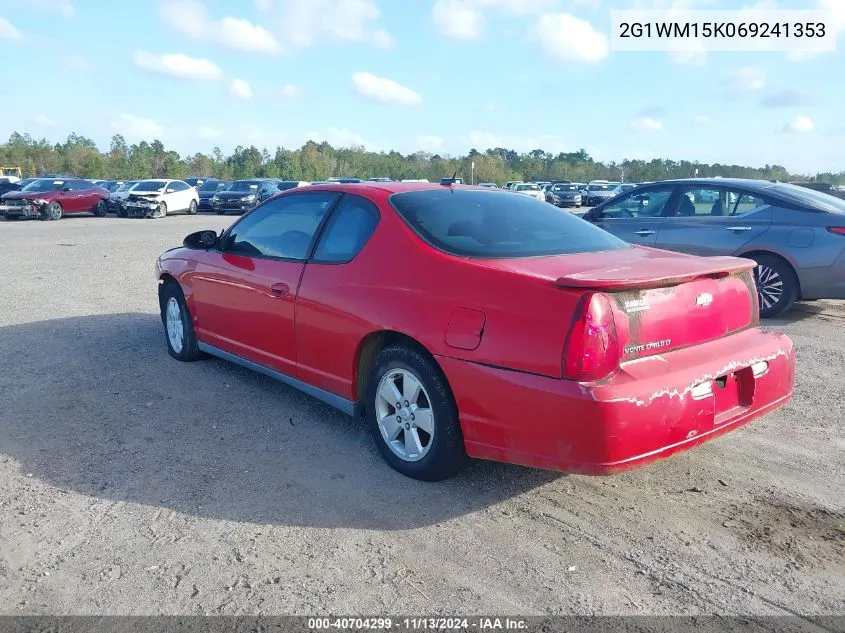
[(134, 484)]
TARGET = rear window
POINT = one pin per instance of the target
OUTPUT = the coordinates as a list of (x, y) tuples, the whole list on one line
[(810, 197), (487, 224)]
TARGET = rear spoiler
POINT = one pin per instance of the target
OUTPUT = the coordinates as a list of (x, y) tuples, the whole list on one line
[(653, 274)]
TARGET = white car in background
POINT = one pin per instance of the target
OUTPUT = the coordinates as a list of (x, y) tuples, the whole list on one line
[(159, 197), (530, 189)]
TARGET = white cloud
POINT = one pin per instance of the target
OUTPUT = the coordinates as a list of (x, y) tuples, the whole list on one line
[(8, 31), (457, 19), (647, 124), (464, 19), (799, 125), (834, 24), (693, 53), (207, 132), (702, 120), (745, 81), (191, 18), (135, 128), (566, 38), (302, 22), (429, 143), (42, 120), (384, 89), (288, 92), (178, 65), (63, 8), (239, 88)]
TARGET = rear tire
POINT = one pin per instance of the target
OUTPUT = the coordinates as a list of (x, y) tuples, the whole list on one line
[(101, 209), (192, 208), (178, 324), (435, 454), (777, 285)]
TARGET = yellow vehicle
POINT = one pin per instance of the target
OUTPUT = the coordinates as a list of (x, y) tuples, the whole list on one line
[(13, 174)]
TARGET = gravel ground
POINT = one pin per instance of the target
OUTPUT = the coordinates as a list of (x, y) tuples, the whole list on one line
[(134, 484)]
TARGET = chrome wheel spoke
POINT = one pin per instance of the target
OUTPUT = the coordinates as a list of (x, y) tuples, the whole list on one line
[(389, 392), (390, 427), (412, 442), (410, 389), (424, 419)]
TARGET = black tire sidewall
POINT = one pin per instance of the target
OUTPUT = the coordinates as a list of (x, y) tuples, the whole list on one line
[(447, 454), (790, 285), (190, 350), (47, 214), (101, 209)]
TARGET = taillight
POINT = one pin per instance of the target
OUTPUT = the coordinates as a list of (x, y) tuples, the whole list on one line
[(592, 348), (839, 230)]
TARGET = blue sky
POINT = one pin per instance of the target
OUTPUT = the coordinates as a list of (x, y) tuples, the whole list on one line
[(434, 75)]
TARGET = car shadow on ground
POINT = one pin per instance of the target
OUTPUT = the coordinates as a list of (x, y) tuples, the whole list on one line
[(94, 405)]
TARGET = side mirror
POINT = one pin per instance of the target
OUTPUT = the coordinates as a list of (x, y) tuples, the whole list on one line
[(169, 190), (201, 240), (66, 189)]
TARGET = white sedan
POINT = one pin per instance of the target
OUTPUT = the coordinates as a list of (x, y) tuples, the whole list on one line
[(158, 198), (530, 189)]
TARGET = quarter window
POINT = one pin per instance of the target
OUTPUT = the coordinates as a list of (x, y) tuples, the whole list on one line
[(716, 202), (349, 228), (283, 228)]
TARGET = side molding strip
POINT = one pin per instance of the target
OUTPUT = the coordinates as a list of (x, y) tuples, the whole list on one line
[(342, 404)]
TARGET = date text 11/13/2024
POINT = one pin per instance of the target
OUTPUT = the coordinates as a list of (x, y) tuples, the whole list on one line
[(418, 624)]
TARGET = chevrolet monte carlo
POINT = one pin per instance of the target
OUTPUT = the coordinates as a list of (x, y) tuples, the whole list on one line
[(467, 323)]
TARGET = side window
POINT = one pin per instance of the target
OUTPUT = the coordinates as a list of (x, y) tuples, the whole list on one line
[(349, 228), (746, 202), (283, 228), (179, 186), (639, 204)]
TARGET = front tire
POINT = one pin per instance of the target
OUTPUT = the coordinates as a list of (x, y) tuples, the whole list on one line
[(192, 208), (178, 324), (52, 211), (121, 211), (777, 285), (101, 209), (412, 415)]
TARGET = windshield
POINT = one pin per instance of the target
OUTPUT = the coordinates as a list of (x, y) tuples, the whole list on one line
[(243, 185), (479, 223), (150, 185), (564, 188), (527, 188), (599, 188), (110, 185), (44, 184), (810, 197), (127, 185)]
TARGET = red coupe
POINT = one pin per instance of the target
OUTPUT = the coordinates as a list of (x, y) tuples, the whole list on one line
[(53, 198), (463, 322)]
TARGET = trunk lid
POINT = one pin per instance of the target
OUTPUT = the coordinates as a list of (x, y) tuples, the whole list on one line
[(660, 300)]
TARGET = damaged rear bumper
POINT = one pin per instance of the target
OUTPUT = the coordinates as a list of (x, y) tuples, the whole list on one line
[(651, 409)]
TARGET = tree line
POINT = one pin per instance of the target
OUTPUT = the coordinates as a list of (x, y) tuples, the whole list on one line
[(80, 156)]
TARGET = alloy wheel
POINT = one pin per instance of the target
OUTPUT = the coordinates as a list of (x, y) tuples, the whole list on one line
[(175, 327), (404, 415), (769, 286)]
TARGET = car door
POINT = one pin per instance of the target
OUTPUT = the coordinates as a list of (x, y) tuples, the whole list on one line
[(714, 220), (327, 328), (636, 217), (75, 197), (244, 290)]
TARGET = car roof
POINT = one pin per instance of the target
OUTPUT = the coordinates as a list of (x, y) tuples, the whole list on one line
[(747, 183), (387, 187)]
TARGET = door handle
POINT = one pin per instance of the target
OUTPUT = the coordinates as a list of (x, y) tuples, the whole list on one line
[(645, 232), (280, 290), (739, 229)]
